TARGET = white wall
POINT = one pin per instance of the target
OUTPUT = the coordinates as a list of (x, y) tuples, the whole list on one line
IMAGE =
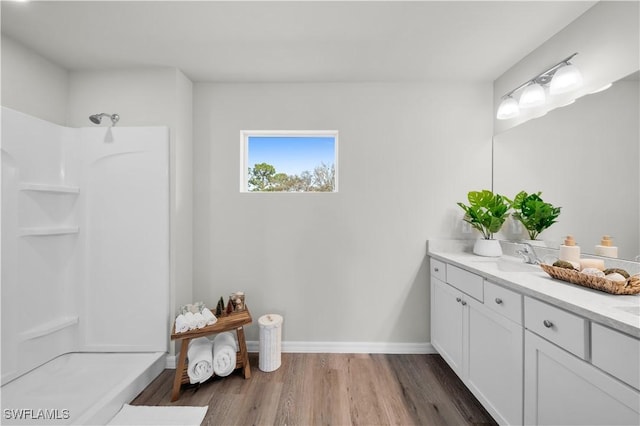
[(607, 39), (182, 196), (143, 97), (347, 266), (33, 84)]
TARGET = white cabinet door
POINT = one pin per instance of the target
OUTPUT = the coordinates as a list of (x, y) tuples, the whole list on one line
[(561, 389), (446, 323), (495, 363)]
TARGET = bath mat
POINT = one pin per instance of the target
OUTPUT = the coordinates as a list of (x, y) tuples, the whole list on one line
[(163, 415)]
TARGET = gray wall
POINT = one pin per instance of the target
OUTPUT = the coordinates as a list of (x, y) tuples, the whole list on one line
[(32, 84), (347, 266)]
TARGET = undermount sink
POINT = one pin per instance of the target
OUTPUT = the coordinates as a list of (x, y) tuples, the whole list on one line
[(635, 310), (507, 264)]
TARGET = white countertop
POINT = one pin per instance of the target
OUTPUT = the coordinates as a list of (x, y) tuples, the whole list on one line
[(619, 312)]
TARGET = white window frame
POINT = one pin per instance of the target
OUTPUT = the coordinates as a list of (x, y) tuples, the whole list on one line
[(244, 155)]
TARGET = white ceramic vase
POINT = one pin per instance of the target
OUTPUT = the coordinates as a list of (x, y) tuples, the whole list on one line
[(488, 248)]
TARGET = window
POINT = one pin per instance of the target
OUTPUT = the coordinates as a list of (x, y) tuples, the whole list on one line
[(289, 161)]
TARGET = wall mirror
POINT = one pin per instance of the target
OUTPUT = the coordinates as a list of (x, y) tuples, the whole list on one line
[(584, 157)]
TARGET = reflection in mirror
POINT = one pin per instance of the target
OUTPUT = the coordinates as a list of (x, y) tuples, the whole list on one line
[(584, 157)]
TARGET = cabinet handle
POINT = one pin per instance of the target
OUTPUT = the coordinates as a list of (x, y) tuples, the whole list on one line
[(547, 323), (458, 300), (464, 303), (436, 269), (498, 301)]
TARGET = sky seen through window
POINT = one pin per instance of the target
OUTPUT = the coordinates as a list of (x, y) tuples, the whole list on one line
[(291, 154)]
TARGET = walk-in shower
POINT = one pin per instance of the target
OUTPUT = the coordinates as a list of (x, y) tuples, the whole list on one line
[(85, 267), (97, 118)]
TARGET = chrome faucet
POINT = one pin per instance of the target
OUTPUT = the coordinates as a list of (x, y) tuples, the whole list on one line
[(529, 254)]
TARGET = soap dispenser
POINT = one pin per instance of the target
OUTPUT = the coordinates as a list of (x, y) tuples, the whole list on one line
[(569, 251), (606, 247)]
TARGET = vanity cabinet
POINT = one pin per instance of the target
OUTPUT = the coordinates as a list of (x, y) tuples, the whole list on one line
[(616, 353), (447, 318), (479, 339), (450, 313), (494, 364), (562, 389), (562, 386), (528, 361)]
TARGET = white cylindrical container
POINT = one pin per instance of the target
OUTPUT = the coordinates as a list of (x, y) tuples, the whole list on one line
[(569, 251), (606, 248), (270, 342)]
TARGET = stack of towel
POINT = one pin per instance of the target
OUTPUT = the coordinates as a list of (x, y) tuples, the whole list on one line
[(191, 321), (200, 356), (224, 354), (207, 357)]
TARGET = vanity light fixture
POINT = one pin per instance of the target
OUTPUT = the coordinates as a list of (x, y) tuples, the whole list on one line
[(560, 78), (602, 89), (532, 96), (565, 79), (509, 108)]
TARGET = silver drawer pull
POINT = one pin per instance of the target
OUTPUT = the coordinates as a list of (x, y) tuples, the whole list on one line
[(436, 269), (458, 300), (498, 301), (547, 323), (464, 303)]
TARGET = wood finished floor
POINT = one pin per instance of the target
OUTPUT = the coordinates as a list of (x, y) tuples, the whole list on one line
[(332, 389)]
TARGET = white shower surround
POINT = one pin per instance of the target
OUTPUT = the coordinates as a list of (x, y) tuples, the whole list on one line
[(85, 242), (61, 387)]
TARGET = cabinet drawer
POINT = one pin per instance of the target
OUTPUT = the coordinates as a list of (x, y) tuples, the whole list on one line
[(616, 353), (438, 270), (503, 301), (566, 330), (465, 281)]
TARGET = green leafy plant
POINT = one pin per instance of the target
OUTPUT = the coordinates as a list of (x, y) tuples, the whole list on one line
[(534, 214), (486, 211)]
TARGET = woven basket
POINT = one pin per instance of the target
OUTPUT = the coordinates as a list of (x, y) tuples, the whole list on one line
[(630, 286)]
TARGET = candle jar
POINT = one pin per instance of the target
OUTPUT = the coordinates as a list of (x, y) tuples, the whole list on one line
[(237, 300)]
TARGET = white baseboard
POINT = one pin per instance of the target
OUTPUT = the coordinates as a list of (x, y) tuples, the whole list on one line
[(170, 362), (351, 347), (338, 348)]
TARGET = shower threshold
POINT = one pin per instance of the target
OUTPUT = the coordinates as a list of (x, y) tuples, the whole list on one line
[(79, 388)]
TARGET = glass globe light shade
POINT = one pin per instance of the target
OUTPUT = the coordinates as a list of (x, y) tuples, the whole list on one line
[(508, 109), (532, 96), (565, 80)]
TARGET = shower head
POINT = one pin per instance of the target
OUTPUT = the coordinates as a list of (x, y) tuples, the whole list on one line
[(97, 118)]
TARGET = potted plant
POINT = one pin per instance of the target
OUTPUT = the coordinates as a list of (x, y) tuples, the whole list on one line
[(486, 212), (534, 214)]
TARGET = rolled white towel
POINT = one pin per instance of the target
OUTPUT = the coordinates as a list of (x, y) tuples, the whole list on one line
[(182, 324), (224, 354), (191, 320), (208, 316), (200, 321), (200, 366)]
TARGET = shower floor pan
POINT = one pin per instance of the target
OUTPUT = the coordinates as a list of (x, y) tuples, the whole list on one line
[(79, 388)]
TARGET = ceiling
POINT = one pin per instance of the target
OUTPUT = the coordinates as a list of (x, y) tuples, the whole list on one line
[(299, 41)]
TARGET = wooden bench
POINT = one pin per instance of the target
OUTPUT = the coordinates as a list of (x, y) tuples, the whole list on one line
[(233, 321)]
